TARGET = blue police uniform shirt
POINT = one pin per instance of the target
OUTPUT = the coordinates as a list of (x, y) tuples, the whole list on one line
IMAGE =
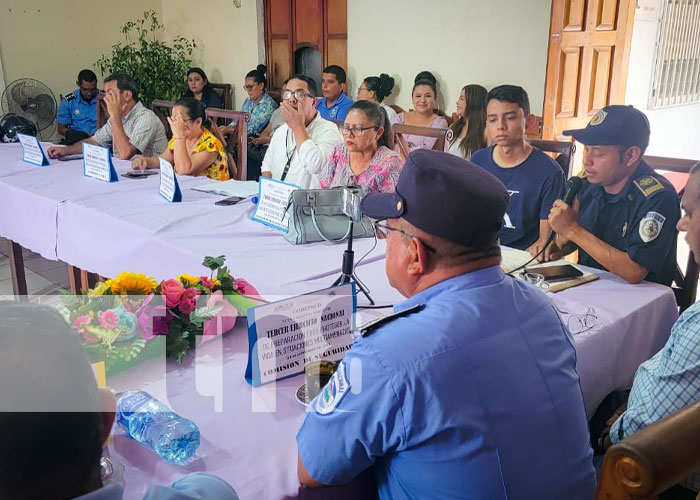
[(78, 113), (534, 185), (474, 396), (640, 220), (338, 111)]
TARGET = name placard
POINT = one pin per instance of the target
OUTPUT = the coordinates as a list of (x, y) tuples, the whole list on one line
[(32, 151), (97, 163), (169, 188), (284, 336), (273, 197)]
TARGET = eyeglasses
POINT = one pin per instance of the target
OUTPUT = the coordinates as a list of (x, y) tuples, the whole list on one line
[(251, 87), (362, 88), (299, 95), (356, 130), (89, 91), (578, 323), (382, 231)]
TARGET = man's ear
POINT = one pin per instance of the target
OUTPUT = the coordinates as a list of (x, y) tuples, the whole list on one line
[(530, 121), (633, 155), (417, 257), (108, 408)]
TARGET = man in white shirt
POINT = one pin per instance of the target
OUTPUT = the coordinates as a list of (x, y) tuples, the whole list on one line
[(301, 147)]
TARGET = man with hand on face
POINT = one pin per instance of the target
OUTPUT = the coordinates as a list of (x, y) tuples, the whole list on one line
[(334, 105), (533, 179), (77, 114), (470, 389), (301, 147), (131, 129), (624, 219)]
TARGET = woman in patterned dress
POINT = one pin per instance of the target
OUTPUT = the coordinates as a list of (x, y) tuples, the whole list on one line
[(365, 158), (195, 147)]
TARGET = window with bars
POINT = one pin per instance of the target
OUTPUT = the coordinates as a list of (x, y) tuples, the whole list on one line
[(677, 69)]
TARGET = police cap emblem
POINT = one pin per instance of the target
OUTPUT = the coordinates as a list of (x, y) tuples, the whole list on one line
[(598, 118)]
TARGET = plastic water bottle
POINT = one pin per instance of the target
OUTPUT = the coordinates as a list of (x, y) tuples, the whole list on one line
[(150, 422)]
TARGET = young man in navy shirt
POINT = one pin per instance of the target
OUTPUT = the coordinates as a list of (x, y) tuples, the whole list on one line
[(534, 180), (335, 104)]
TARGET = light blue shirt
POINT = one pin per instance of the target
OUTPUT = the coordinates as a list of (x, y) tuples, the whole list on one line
[(474, 396), (667, 382), (78, 113), (195, 486), (338, 111)]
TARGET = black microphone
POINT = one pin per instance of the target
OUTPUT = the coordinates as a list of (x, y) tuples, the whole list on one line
[(573, 186)]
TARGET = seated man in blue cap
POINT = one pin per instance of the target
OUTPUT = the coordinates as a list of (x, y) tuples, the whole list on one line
[(470, 389), (624, 219), (54, 419)]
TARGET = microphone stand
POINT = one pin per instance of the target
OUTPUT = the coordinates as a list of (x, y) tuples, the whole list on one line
[(347, 274)]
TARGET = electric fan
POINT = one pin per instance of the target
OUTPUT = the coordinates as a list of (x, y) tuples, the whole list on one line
[(32, 100)]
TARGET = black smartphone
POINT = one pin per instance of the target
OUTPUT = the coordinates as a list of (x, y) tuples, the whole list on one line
[(70, 157), (138, 174), (229, 201), (556, 273)]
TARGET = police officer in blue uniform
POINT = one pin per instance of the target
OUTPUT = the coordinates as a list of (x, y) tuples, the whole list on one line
[(469, 390), (77, 114), (624, 219)]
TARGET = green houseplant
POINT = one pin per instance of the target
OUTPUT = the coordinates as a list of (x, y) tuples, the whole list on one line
[(158, 68)]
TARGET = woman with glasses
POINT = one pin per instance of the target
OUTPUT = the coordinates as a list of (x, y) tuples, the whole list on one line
[(259, 103), (469, 130), (195, 147), (200, 89), (365, 157), (376, 89)]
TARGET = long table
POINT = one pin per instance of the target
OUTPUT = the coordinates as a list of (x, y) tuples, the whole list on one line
[(248, 434)]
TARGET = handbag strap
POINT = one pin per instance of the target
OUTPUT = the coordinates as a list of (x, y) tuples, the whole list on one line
[(313, 219)]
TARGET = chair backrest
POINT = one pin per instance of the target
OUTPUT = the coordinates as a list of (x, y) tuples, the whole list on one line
[(441, 134), (685, 283), (397, 108), (225, 91), (163, 110), (564, 151), (238, 142), (653, 459), (102, 114)]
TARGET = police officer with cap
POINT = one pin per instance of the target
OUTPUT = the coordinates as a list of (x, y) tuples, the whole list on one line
[(77, 113), (624, 219), (469, 390)]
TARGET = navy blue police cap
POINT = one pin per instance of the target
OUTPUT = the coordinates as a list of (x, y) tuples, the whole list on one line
[(614, 125), (445, 196)]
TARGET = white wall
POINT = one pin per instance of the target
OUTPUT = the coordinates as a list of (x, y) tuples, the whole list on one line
[(229, 39), (675, 131), (489, 42), (52, 41)]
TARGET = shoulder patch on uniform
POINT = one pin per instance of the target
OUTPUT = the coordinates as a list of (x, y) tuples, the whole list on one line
[(373, 325), (333, 392), (69, 97), (648, 185), (650, 226)]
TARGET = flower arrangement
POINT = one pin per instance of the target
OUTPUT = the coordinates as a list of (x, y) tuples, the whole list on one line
[(128, 317)]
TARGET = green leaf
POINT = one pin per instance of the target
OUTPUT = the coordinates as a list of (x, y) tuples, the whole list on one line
[(214, 263), (202, 314)]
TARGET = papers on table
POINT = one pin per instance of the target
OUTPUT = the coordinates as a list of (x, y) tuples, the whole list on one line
[(31, 150), (169, 188), (273, 200), (512, 259), (244, 189), (97, 163), (284, 336)]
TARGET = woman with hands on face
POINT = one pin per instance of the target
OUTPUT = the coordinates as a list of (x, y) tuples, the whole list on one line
[(195, 147)]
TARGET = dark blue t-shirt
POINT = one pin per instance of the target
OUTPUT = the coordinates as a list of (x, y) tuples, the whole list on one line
[(533, 186)]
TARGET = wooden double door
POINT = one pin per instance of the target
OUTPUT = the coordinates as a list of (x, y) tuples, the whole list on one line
[(295, 29)]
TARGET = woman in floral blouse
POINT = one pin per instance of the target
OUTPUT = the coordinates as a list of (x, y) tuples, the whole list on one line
[(194, 148), (365, 158)]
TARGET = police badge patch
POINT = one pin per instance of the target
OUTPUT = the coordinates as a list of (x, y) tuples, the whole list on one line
[(650, 226), (334, 391), (598, 118)]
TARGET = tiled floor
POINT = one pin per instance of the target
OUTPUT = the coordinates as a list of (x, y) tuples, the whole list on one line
[(44, 277)]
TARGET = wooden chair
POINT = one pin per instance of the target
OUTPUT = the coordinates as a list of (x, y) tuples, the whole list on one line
[(102, 114), (685, 283), (225, 91), (238, 141), (163, 109), (564, 151), (397, 108), (441, 134), (653, 459)]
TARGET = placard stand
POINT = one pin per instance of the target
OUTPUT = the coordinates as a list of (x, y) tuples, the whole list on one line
[(347, 270)]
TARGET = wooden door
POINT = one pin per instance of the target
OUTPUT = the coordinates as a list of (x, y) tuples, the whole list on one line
[(291, 25), (587, 61)]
